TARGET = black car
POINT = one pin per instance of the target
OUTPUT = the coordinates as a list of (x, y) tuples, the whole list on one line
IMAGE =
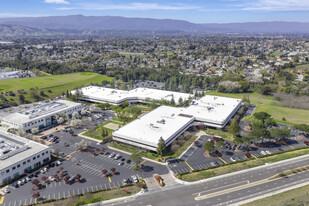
[(51, 135), (52, 164), (128, 161)]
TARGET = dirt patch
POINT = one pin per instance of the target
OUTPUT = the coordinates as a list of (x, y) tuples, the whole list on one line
[(112, 126)]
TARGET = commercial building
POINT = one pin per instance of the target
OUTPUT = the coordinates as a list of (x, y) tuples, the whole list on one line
[(170, 122), (214, 111), (40, 116), (166, 122), (116, 97), (19, 155)]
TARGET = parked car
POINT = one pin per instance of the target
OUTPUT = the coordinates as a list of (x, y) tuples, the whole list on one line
[(112, 155), (117, 156), (44, 137), (6, 190), (15, 185), (120, 163), (125, 181), (128, 161), (268, 152), (135, 179)]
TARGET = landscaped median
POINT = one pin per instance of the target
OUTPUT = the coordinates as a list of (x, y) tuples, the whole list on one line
[(92, 197), (196, 175)]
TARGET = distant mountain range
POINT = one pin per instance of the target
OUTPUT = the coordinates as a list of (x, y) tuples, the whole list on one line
[(91, 25)]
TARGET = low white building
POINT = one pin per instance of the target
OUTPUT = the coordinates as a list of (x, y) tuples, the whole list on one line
[(145, 132), (40, 116), (170, 122), (116, 96), (19, 155), (214, 111)]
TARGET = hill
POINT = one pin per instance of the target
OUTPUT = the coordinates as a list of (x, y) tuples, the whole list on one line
[(95, 25)]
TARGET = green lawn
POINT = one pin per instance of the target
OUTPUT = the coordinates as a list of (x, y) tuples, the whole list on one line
[(293, 197), (225, 169), (221, 133), (266, 104), (131, 54), (96, 133), (56, 83)]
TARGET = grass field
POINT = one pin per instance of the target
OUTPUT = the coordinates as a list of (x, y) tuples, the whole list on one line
[(277, 54), (266, 104), (56, 83), (302, 67), (297, 196), (97, 132), (131, 54)]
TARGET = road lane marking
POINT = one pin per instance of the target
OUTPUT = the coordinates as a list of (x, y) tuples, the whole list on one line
[(2, 200), (188, 165), (222, 160), (109, 178)]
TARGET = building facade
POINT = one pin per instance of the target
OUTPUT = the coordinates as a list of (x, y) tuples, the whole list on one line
[(19, 155)]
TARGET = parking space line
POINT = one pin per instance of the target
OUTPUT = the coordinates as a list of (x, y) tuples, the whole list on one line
[(109, 178), (222, 160), (188, 165), (143, 162), (253, 156)]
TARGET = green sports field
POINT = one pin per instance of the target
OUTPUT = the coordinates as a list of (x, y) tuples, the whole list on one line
[(55, 83), (267, 104)]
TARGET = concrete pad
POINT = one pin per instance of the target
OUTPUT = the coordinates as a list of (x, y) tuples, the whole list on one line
[(112, 126)]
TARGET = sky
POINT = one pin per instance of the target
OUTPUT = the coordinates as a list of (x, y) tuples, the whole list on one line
[(196, 11)]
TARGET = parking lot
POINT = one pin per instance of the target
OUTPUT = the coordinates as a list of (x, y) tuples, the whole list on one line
[(194, 157), (87, 165)]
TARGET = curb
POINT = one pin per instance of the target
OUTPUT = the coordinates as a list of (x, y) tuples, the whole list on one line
[(132, 197), (119, 150), (85, 137), (239, 172)]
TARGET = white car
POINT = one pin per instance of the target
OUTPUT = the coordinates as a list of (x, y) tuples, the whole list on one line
[(135, 179), (120, 163), (6, 190), (263, 153), (58, 162), (212, 164), (233, 160), (268, 152)]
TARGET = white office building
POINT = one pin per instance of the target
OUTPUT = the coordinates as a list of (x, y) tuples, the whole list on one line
[(40, 116), (116, 96), (170, 122), (19, 155), (166, 122)]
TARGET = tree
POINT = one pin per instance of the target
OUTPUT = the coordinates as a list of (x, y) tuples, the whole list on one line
[(21, 98), (124, 86), (75, 115), (280, 134), (161, 147), (220, 146), (135, 157), (234, 127), (209, 147), (262, 116), (270, 122), (173, 103), (251, 120), (237, 141), (180, 101)]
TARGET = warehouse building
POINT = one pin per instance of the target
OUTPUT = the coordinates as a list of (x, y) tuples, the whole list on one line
[(40, 116), (19, 155), (116, 97)]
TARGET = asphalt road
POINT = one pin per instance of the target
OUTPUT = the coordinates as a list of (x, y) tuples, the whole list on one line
[(227, 189)]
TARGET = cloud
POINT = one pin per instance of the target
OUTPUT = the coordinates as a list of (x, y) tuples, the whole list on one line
[(276, 5), (56, 1), (132, 6)]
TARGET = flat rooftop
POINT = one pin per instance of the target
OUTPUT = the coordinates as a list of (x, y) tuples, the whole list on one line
[(213, 109), (117, 96), (14, 148), (162, 122), (39, 111)]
